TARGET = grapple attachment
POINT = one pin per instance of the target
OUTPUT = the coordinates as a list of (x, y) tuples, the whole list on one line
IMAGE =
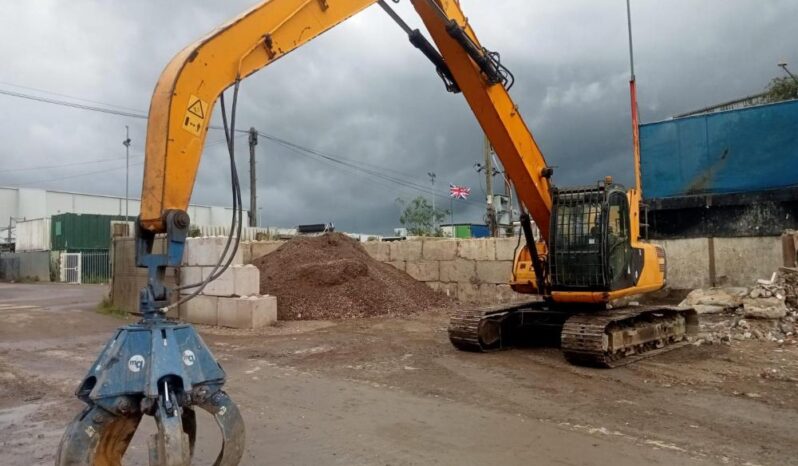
[(155, 367), (161, 369)]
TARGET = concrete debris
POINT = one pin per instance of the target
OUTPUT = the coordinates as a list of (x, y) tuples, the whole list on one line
[(769, 307), (767, 312), (714, 300)]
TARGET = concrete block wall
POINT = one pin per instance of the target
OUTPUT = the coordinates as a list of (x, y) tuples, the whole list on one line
[(706, 262), (478, 270), (232, 300), (473, 270)]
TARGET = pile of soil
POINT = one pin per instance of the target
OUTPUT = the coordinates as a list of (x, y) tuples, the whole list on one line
[(333, 277)]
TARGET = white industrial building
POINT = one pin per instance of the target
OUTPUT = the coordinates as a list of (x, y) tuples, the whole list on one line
[(21, 205)]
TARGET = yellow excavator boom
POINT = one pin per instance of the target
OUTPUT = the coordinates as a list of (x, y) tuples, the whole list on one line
[(189, 86)]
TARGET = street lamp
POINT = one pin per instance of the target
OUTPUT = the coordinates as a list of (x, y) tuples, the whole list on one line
[(783, 65), (432, 177)]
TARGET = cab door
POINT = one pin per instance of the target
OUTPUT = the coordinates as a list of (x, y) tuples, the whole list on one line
[(618, 242)]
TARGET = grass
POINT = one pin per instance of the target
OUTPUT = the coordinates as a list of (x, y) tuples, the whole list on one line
[(106, 307)]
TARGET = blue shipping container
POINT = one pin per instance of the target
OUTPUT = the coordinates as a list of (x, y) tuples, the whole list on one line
[(746, 150), (480, 231)]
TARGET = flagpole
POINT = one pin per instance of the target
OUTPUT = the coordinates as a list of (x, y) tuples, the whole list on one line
[(451, 213)]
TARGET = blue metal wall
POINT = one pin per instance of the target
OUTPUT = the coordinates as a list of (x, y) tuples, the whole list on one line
[(746, 150)]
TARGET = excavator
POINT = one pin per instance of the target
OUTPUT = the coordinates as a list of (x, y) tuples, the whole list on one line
[(589, 251)]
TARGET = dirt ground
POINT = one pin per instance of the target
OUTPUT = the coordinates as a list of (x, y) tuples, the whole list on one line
[(393, 391)]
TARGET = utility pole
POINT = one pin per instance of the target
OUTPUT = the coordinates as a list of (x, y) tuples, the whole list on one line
[(489, 172), (253, 182), (126, 143), (432, 177)]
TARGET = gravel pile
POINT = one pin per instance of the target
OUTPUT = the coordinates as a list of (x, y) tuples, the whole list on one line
[(333, 277)]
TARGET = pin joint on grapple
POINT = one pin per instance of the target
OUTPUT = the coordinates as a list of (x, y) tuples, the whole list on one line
[(155, 367)]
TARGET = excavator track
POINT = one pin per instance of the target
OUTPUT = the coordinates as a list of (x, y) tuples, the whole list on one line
[(482, 329), (599, 339), (619, 337)]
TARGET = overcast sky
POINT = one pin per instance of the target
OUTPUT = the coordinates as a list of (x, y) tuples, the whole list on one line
[(362, 92)]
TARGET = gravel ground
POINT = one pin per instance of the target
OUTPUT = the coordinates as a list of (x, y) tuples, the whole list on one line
[(393, 391)]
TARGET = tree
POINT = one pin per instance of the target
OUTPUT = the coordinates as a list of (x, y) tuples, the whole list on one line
[(420, 218), (781, 89)]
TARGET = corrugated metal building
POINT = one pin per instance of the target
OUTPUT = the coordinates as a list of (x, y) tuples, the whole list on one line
[(729, 173), (19, 205)]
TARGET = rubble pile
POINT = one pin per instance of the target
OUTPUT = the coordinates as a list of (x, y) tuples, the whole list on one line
[(768, 311)]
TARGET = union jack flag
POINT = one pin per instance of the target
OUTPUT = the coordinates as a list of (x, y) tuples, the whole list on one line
[(459, 192)]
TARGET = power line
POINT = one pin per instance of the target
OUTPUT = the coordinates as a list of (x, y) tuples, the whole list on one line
[(93, 108), (354, 168), (72, 104), (375, 171), (47, 167), (28, 183), (72, 97)]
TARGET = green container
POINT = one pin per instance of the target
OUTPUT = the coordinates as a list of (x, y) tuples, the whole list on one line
[(81, 232), (462, 231)]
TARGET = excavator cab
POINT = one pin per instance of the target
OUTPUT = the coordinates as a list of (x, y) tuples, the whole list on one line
[(591, 242)]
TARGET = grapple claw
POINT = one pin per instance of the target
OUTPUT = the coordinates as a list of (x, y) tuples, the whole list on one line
[(96, 437), (228, 417), (170, 446)]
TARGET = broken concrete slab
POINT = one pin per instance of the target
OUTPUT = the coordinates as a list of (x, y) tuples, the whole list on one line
[(727, 298), (764, 308)]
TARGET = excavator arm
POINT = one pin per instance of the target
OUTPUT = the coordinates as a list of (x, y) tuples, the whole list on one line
[(189, 86), (166, 370)]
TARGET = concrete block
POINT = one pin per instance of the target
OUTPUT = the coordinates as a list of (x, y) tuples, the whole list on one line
[(741, 261), (506, 294), (262, 248), (424, 271), (247, 313), (401, 265), (449, 289), (440, 250), (505, 248), (200, 310), (206, 251), (227, 313), (405, 250), (225, 285), (264, 311), (477, 249), (189, 275), (495, 272), (246, 252), (247, 280), (498, 294), (468, 293), (458, 270), (687, 263), (378, 250)]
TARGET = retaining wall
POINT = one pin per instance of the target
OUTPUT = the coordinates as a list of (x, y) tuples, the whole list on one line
[(478, 270)]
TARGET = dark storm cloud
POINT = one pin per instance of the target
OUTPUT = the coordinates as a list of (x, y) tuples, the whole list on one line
[(361, 92)]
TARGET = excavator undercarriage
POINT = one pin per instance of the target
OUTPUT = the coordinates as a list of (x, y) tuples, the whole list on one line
[(601, 338)]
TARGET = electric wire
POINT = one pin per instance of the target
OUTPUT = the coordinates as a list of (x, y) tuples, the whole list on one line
[(377, 171), (67, 177), (86, 162)]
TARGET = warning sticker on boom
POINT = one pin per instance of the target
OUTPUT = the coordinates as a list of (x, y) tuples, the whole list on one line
[(196, 113)]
